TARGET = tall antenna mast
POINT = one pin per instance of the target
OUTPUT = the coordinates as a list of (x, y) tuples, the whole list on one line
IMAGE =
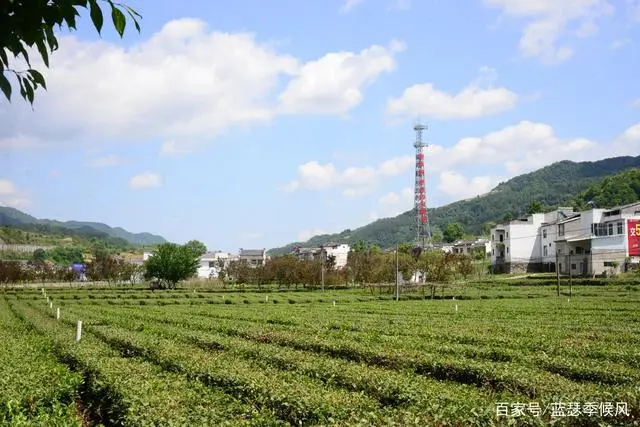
[(423, 230)]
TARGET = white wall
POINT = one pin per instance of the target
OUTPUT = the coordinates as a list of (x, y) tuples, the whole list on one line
[(523, 242), (341, 252)]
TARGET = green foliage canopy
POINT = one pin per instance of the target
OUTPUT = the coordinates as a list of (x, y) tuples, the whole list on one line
[(172, 263)]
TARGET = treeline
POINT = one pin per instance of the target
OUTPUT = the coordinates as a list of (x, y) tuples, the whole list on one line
[(103, 267), (365, 266)]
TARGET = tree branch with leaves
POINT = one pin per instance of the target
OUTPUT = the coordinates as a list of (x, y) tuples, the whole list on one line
[(30, 24)]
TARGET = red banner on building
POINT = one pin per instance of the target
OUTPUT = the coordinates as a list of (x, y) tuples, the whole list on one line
[(633, 237)]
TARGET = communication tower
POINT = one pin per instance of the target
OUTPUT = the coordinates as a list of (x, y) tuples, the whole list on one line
[(423, 230)]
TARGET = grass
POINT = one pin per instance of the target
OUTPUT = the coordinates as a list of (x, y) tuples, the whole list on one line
[(284, 357)]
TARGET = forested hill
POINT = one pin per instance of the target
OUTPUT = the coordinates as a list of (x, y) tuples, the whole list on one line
[(557, 184), (14, 218)]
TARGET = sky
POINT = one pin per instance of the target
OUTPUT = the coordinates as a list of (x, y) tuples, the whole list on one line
[(252, 124)]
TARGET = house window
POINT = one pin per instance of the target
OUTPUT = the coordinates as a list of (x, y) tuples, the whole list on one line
[(573, 266), (544, 233), (493, 251), (507, 234), (501, 238), (610, 227), (561, 230), (493, 237), (545, 251), (608, 263), (620, 227), (579, 250), (507, 249)]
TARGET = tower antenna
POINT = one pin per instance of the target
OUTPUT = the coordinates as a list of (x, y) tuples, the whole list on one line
[(423, 230)]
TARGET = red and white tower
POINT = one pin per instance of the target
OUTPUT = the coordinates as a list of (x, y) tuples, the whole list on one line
[(423, 230)]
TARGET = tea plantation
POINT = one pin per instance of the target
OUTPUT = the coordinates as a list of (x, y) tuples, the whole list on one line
[(520, 356)]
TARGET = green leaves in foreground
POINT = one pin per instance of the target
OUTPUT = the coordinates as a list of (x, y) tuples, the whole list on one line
[(30, 24)]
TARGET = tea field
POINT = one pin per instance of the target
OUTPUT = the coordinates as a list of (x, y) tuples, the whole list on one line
[(519, 356)]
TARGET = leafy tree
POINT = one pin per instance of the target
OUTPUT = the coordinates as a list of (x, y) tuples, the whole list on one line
[(197, 247), (66, 255), (30, 23), (453, 231), (508, 217), (39, 256), (535, 207), (172, 263)]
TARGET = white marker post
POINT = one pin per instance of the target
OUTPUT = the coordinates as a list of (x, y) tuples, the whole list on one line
[(266, 298), (58, 313), (334, 303), (79, 331), (456, 308), (50, 306)]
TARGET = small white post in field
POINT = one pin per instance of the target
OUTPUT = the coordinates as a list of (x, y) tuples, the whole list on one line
[(79, 331), (266, 298), (58, 313), (50, 306), (334, 303), (456, 308)]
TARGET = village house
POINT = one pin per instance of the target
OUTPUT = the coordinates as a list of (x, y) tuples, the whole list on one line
[(587, 243)]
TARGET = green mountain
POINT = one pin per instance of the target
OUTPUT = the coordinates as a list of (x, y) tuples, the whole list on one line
[(615, 190), (553, 185), (14, 218)]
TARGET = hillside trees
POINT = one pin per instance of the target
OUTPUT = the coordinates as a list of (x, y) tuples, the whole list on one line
[(453, 231), (28, 24)]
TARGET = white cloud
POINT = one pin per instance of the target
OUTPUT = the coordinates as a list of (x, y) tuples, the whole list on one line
[(305, 235), (11, 196), (145, 180), (527, 146), (333, 84), (503, 154), (477, 99), (635, 103), (404, 197), (619, 44), (349, 5), (458, 186), (633, 10), (7, 187), (356, 192), (17, 203), (358, 180), (184, 85), (548, 20), (106, 161)]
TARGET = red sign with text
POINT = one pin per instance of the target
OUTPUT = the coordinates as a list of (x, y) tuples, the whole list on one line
[(633, 237)]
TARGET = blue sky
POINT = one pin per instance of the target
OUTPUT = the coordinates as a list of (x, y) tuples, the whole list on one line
[(254, 124)]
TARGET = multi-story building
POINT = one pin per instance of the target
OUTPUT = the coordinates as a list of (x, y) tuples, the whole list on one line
[(588, 243), (468, 247), (253, 257), (339, 251), (212, 262)]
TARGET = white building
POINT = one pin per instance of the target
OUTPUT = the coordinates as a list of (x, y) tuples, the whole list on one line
[(211, 263), (587, 243), (340, 252), (253, 257), (470, 247), (518, 244)]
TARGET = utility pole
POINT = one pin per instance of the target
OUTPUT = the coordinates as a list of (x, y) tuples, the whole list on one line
[(322, 256), (397, 278), (570, 276), (558, 271)]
